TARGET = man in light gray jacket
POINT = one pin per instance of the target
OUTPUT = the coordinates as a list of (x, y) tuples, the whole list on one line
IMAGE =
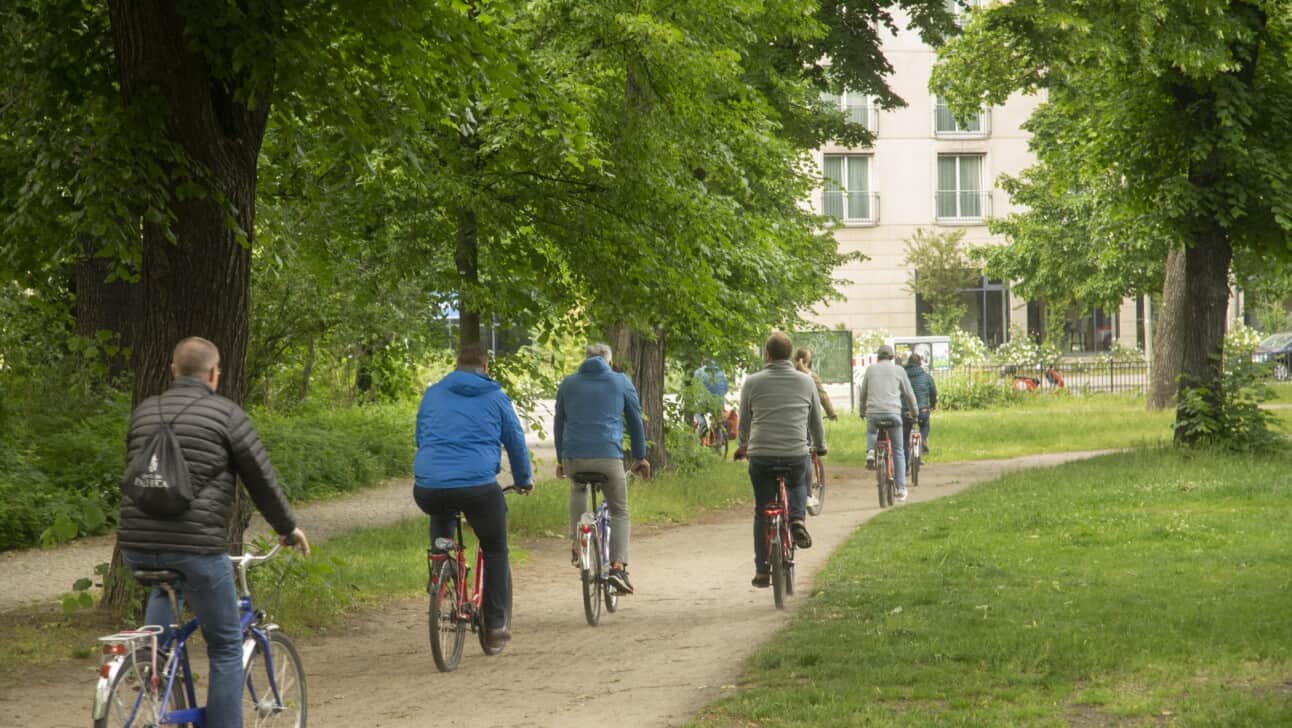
[(885, 393), (780, 420)]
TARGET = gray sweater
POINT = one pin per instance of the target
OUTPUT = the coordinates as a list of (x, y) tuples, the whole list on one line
[(883, 390), (780, 411)]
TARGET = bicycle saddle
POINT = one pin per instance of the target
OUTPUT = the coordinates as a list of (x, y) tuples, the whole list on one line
[(159, 577), (594, 478)]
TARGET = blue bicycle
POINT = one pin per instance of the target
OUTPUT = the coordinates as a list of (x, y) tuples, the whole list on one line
[(146, 679), (594, 551)]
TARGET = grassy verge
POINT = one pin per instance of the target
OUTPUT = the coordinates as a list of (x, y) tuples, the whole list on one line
[(369, 566), (1047, 423), (1134, 589)]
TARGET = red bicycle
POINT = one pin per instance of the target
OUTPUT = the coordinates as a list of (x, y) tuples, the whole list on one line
[(455, 601), (884, 468), (780, 546)]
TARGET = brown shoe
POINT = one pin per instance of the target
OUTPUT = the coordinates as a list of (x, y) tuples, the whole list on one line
[(762, 579), (498, 637)]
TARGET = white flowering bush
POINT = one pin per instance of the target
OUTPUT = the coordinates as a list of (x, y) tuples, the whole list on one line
[(868, 341), (967, 348), (1022, 351), (1241, 339), (1119, 354)]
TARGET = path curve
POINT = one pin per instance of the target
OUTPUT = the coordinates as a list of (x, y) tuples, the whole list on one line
[(670, 650)]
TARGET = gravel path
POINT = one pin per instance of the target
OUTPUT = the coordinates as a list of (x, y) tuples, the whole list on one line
[(671, 649)]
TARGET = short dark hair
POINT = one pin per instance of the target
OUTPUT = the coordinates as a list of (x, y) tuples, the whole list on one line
[(194, 357), (472, 356), (914, 360), (779, 346)]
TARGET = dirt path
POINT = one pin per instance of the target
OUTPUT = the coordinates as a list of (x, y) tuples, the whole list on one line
[(669, 650)]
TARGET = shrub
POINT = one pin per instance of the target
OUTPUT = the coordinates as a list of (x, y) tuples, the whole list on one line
[(978, 390), (967, 348)]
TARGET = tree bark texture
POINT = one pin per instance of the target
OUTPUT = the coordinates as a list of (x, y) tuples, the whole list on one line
[(199, 284), (1168, 334), (643, 359), (104, 306), (1205, 307)]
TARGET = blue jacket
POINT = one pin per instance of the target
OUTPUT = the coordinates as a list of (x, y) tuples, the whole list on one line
[(463, 418), (713, 379), (926, 390), (589, 406)]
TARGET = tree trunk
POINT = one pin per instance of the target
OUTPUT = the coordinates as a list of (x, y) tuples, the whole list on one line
[(644, 360), (1168, 334), (104, 306), (197, 285), (1206, 304), (307, 371)]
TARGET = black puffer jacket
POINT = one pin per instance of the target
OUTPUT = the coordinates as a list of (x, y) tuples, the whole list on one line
[(218, 442)]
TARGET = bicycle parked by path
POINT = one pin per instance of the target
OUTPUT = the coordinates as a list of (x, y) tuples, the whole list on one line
[(884, 469), (594, 551), (146, 679), (456, 599)]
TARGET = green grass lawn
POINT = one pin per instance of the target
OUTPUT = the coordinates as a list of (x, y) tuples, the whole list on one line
[(1140, 588), (1046, 423)]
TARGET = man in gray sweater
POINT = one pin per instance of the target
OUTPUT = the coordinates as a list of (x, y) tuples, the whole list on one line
[(780, 420), (885, 388)]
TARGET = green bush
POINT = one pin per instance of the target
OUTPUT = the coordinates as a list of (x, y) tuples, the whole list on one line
[(978, 390)]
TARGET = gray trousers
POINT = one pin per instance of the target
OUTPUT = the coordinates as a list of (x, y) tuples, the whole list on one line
[(615, 493)]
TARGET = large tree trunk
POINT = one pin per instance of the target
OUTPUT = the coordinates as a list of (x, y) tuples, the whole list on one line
[(1206, 304), (104, 306), (643, 358), (199, 284), (1168, 334)]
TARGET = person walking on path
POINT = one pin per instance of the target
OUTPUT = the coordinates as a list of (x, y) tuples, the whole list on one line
[(926, 397), (217, 443), (803, 363), (593, 405), (461, 421), (885, 395), (780, 426)]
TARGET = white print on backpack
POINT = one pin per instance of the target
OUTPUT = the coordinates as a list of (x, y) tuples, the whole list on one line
[(151, 479)]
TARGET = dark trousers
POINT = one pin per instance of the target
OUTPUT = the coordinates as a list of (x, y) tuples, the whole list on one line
[(763, 477), (924, 426), (486, 512)]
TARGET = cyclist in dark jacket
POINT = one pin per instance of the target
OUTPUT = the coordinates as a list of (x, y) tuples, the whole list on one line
[(218, 443), (926, 395)]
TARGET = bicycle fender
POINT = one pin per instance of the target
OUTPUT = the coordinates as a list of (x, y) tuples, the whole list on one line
[(104, 688)]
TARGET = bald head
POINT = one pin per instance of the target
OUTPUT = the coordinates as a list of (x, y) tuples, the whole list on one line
[(778, 346), (195, 357)]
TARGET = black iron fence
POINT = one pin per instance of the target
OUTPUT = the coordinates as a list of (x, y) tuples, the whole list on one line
[(1076, 375)]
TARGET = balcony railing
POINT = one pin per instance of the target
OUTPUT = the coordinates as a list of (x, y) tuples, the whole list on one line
[(856, 208), (865, 114), (961, 206), (945, 124)]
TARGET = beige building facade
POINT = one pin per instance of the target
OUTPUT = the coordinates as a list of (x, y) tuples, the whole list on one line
[(928, 170)]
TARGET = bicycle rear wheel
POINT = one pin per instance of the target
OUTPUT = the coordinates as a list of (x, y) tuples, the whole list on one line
[(776, 556), (261, 707), (816, 490), (592, 581), (914, 459), (881, 478), (131, 699), (448, 633)]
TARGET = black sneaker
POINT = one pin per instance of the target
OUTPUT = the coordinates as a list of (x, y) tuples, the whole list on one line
[(618, 578), (762, 579), (799, 532)]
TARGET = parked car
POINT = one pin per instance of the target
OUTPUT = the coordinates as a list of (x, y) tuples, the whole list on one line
[(1276, 349)]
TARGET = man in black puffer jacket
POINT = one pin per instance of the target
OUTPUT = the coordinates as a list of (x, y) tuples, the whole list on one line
[(218, 443)]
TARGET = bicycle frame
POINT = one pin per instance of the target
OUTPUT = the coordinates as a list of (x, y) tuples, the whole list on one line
[(776, 520), (469, 597), (600, 520)]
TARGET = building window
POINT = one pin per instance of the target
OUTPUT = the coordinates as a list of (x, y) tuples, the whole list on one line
[(957, 8), (847, 194), (1084, 331), (945, 123), (858, 107), (986, 312), (960, 196)]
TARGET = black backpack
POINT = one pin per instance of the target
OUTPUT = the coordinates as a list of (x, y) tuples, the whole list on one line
[(157, 479)]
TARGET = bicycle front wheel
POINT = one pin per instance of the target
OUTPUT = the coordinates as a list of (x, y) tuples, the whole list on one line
[(816, 491), (448, 633), (776, 555), (275, 695), (131, 700), (592, 581)]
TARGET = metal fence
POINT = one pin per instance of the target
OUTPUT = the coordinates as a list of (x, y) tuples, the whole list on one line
[(1077, 375)]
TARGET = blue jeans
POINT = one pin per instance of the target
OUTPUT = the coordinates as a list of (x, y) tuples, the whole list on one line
[(210, 592), (764, 480), (892, 424), (486, 512)]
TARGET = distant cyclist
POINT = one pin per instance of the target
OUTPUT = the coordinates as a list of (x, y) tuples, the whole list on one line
[(593, 405), (803, 363), (780, 425), (926, 396), (885, 394)]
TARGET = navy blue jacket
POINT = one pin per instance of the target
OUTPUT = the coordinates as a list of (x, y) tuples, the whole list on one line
[(589, 406), (460, 424), (926, 390)]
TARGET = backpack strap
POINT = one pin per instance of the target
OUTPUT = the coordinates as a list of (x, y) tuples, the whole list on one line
[(184, 409)]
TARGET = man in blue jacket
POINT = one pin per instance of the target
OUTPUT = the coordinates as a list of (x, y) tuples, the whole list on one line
[(460, 424), (589, 436)]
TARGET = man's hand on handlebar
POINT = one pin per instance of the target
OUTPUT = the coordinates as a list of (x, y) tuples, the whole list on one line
[(740, 454), (642, 468), (524, 489), (296, 539), (821, 451)]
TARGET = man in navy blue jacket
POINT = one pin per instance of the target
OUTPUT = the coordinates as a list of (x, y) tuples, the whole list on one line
[(460, 424), (589, 435)]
